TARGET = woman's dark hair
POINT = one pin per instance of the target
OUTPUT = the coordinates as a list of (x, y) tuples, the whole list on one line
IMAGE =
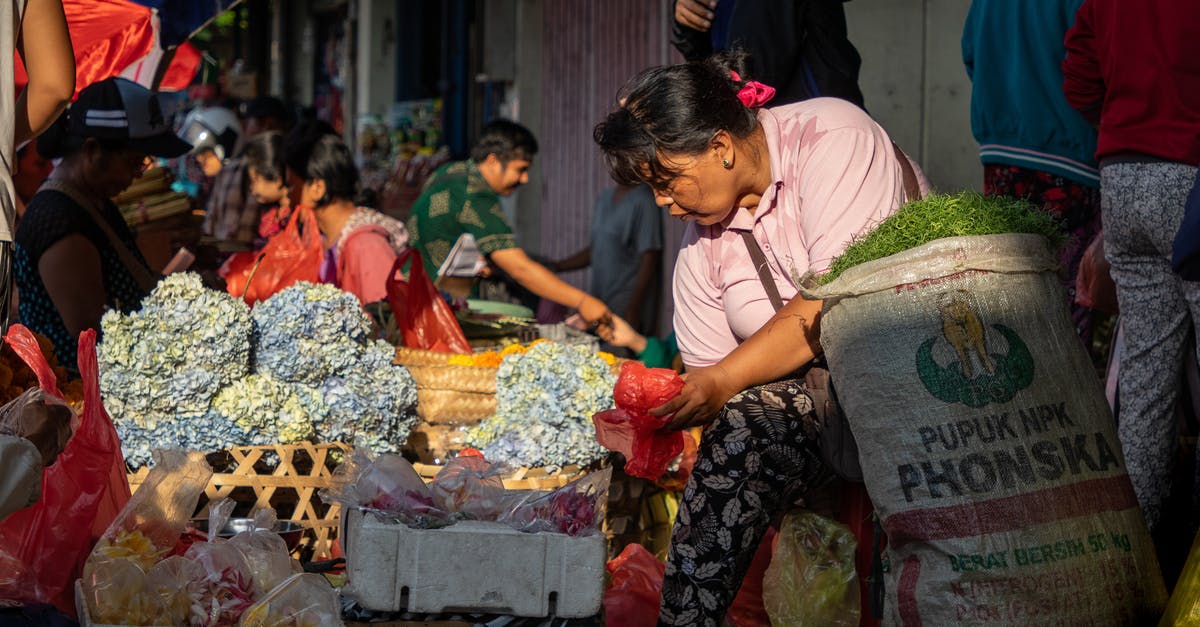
[(505, 139), (266, 154), (325, 157), (675, 109)]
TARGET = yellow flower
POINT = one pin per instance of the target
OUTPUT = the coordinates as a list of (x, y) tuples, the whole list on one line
[(513, 349), (608, 358), (132, 545), (461, 360)]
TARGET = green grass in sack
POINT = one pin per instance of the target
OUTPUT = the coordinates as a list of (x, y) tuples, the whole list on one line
[(942, 215)]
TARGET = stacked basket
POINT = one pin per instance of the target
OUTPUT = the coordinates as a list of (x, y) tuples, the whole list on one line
[(449, 399)]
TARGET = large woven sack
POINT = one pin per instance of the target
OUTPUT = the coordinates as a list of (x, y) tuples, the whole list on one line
[(986, 442)]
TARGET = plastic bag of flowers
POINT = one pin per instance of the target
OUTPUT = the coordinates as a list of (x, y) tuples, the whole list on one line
[(120, 583), (305, 600), (226, 587), (575, 509), (266, 552), (389, 487), (471, 487)]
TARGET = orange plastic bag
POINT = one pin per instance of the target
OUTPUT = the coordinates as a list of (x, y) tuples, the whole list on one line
[(424, 318), (632, 430), (290, 256), (634, 588), (43, 547)]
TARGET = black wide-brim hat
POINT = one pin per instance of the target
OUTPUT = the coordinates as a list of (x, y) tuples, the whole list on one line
[(121, 110)]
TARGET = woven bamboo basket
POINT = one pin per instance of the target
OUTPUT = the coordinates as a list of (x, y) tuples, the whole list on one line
[(286, 477), (418, 357), (475, 379)]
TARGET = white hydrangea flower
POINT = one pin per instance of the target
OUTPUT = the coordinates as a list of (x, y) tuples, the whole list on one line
[(545, 401)]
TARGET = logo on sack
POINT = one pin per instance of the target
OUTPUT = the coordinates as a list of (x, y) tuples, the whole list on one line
[(980, 376)]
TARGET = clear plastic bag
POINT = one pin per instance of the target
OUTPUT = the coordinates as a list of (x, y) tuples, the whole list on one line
[(811, 579), (389, 487), (304, 600), (267, 555), (576, 509), (149, 526), (41, 417), (471, 487), (227, 588)]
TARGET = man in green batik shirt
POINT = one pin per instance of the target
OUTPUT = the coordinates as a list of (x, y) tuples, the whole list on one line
[(458, 226)]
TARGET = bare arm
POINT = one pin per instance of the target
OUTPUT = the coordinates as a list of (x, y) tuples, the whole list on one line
[(647, 277), (70, 270), (786, 342), (579, 260), (537, 279), (45, 47)]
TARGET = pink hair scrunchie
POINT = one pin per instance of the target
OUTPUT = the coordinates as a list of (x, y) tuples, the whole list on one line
[(753, 94)]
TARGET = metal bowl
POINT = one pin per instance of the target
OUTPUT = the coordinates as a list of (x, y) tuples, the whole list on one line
[(291, 532)]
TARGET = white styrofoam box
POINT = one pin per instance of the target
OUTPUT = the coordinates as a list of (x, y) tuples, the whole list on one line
[(81, 608), (471, 566)]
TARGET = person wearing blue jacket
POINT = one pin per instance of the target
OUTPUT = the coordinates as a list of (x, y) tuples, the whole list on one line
[(1032, 143)]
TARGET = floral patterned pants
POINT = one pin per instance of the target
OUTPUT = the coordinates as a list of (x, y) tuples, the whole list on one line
[(760, 449), (1143, 208), (1076, 204)]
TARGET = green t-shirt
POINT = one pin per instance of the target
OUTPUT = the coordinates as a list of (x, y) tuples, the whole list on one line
[(457, 201)]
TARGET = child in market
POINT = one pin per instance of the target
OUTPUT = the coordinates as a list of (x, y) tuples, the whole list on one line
[(267, 168)]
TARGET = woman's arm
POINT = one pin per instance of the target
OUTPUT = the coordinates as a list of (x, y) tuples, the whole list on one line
[(45, 47), (70, 270), (788, 341)]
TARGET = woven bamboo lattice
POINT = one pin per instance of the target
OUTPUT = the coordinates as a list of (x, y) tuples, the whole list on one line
[(286, 477)]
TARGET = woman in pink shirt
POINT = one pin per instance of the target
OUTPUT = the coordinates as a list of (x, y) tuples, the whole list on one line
[(797, 183), (362, 244)]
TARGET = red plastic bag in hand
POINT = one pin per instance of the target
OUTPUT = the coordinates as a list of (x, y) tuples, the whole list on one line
[(632, 430), (43, 547), (634, 588), (424, 318), (1094, 285), (290, 256)]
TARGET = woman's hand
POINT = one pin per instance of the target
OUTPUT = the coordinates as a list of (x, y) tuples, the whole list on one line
[(705, 392)]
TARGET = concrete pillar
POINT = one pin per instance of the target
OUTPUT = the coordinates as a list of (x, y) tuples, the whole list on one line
[(376, 60), (528, 111)]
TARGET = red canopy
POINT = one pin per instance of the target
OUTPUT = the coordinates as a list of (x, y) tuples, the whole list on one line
[(109, 36)]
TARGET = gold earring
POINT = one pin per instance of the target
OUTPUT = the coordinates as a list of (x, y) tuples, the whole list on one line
[(726, 163)]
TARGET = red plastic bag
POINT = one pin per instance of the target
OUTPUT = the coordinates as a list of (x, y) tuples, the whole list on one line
[(290, 256), (1094, 286), (632, 430), (634, 588), (43, 547), (424, 318)]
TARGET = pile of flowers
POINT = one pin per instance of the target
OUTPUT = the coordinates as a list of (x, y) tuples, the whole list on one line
[(196, 369), (493, 358), (545, 399)]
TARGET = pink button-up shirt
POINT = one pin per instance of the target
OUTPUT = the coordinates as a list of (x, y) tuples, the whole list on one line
[(835, 176)]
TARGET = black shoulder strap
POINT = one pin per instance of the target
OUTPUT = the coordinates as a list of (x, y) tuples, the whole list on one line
[(764, 272)]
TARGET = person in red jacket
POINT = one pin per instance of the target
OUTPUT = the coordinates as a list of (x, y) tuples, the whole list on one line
[(1133, 68)]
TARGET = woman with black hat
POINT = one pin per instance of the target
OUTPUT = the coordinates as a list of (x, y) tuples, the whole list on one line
[(75, 257)]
